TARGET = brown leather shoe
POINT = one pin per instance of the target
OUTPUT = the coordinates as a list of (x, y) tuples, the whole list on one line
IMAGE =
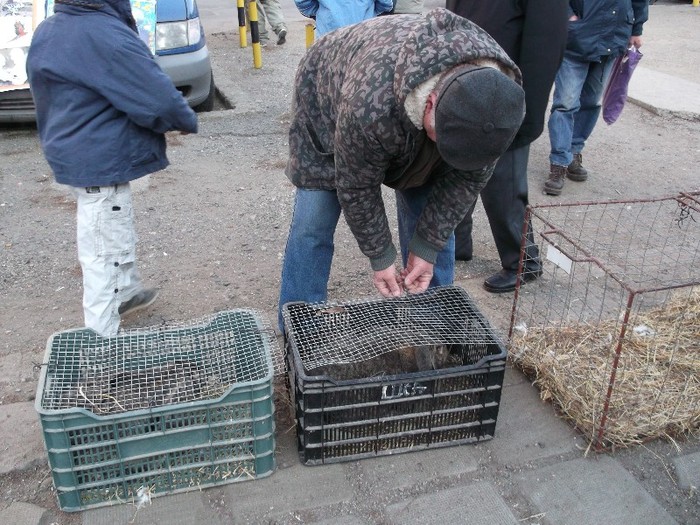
[(555, 184), (575, 171)]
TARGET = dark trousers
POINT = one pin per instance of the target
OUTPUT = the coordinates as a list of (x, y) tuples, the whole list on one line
[(504, 198)]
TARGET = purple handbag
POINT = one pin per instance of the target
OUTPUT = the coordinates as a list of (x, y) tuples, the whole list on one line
[(615, 93)]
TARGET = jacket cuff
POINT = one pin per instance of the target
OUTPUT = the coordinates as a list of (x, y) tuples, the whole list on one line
[(385, 260), (422, 249)]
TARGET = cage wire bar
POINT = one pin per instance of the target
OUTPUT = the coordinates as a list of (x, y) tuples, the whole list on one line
[(152, 367), (360, 330), (611, 331)]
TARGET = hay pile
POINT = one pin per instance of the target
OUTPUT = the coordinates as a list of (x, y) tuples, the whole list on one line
[(657, 383)]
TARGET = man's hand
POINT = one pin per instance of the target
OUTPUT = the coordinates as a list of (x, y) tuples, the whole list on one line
[(417, 274), (387, 282), (635, 41)]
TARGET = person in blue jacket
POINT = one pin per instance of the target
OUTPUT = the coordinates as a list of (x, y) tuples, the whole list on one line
[(599, 32), (103, 106), (332, 14)]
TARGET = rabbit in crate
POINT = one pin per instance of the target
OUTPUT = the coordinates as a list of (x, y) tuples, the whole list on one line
[(402, 361)]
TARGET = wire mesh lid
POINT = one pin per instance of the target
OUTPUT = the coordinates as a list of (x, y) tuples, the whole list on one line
[(152, 367), (354, 331)]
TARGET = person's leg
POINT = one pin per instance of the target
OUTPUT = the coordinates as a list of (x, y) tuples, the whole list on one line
[(309, 251), (590, 103), (505, 198), (107, 254), (409, 205), (566, 102), (130, 282), (568, 84), (275, 17)]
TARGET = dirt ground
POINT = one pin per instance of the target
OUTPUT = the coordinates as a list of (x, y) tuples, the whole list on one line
[(212, 226)]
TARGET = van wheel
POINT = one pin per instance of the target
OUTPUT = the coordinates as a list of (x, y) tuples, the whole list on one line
[(208, 103)]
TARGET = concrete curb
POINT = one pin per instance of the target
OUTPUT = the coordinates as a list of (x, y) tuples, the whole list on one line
[(665, 95)]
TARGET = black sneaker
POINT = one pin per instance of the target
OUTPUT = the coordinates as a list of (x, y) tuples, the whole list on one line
[(141, 300), (281, 37)]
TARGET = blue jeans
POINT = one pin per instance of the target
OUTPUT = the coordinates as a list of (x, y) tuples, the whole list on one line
[(409, 205), (578, 91), (309, 251)]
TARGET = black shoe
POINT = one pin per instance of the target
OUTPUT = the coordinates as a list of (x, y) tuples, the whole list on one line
[(281, 37), (463, 256), (138, 302), (504, 281)]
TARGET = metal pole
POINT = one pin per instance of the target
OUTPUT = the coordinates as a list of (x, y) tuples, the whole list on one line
[(309, 35), (242, 32), (254, 33)]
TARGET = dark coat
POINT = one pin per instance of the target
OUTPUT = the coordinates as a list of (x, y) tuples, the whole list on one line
[(102, 102), (350, 131), (533, 33)]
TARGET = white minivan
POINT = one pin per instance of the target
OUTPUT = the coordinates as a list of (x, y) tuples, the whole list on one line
[(177, 41)]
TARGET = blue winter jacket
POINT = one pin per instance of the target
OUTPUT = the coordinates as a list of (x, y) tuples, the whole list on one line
[(332, 14), (102, 103), (604, 27)]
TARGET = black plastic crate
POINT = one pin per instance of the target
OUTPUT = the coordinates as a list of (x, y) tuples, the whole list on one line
[(352, 418)]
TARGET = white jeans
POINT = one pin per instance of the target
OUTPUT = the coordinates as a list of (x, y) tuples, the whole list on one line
[(107, 254)]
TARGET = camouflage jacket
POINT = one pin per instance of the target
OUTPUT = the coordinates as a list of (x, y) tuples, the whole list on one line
[(351, 133)]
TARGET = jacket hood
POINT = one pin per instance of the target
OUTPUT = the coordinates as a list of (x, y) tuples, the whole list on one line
[(440, 42), (119, 8)]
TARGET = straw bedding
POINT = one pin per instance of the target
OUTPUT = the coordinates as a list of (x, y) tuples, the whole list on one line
[(656, 389)]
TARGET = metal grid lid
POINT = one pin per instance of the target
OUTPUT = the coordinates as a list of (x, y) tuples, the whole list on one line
[(355, 331), (152, 367)]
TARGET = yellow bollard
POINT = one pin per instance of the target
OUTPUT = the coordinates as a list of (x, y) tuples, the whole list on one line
[(242, 34), (309, 35), (255, 34), (696, 3)]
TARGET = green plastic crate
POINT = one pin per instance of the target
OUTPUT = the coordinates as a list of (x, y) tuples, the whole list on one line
[(157, 411)]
